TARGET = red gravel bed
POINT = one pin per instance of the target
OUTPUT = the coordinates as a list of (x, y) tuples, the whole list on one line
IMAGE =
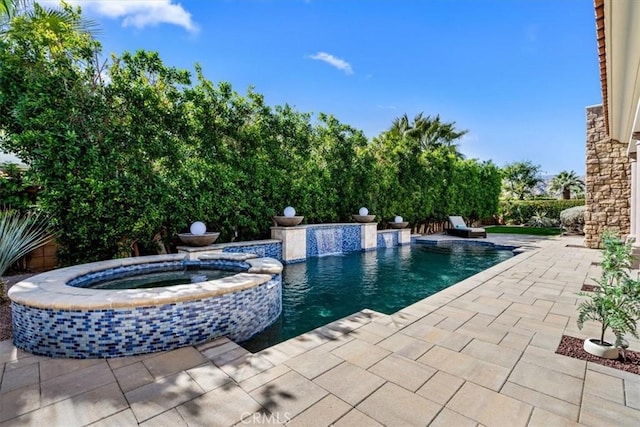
[(5, 322), (572, 347)]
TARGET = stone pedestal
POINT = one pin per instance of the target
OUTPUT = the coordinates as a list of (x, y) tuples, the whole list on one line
[(404, 236), (369, 236), (294, 242)]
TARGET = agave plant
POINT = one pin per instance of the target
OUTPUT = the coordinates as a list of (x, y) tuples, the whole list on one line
[(541, 220), (20, 234)]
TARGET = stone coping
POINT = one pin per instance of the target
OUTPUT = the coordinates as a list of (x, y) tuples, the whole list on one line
[(221, 246), (49, 290)]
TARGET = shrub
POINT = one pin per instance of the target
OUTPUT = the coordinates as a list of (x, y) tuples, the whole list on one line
[(125, 162), (15, 188), (520, 211), (541, 220), (572, 219)]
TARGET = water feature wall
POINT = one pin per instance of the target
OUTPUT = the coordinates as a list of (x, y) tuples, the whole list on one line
[(387, 239), (304, 241), (331, 240), (294, 244)]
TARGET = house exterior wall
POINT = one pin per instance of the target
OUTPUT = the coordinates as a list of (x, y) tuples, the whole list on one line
[(608, 181)]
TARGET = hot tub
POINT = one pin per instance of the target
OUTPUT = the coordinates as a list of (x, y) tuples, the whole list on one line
[(55, 315)]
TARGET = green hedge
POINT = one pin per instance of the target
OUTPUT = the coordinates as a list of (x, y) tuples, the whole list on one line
[(128, 162), (520, 211), (16, 191)]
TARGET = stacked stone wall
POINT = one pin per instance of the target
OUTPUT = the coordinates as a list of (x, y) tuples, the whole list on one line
[(608, 181)]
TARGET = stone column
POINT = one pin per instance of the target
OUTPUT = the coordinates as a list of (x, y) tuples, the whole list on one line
[(634, 198), (294, 243), (404, 236), (369, 236), (608, 183)]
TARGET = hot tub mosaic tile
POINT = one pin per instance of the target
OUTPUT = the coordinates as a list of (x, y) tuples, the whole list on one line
[(90, 279), (136, 330)]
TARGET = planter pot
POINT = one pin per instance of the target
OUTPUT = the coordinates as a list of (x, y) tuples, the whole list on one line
[(606, 350), (364, 218), (288, 221), (198, 239)]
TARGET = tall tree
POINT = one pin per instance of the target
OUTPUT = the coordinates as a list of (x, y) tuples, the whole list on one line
[(519, 179), (566, 182), (431, 133), (9, 8), (55, 18)]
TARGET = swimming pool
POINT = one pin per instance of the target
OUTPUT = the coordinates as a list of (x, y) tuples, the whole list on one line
[(325, 289)]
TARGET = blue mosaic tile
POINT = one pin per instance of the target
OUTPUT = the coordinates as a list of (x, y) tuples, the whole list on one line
[(333, 239), (91, 279), (466, 243), (267, 250), (123, 332), (388, 239)]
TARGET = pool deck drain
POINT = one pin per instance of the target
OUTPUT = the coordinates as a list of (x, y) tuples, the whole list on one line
[(479, 352)]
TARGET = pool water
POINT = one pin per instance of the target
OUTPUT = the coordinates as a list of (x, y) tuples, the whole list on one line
[(325, 289), (162, 279)]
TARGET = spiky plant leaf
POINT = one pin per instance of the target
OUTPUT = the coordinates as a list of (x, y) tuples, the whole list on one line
[(21, 234)]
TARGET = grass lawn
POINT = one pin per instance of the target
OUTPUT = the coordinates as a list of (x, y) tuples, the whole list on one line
[(506, 229)]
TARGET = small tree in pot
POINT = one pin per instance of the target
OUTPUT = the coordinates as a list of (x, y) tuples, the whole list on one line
[(615, 304)]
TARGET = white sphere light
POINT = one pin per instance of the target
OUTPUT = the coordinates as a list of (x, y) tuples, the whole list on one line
[(398, 219), (198, 228), (363, 211), (289, 212)]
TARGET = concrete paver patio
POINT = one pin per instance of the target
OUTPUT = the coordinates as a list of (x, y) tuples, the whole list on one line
[(478, 353)]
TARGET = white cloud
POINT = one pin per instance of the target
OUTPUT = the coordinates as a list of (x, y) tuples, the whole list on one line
[(338, 63), (142, 13)]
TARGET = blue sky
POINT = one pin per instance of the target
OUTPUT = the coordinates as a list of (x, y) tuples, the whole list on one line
[(517, 74)]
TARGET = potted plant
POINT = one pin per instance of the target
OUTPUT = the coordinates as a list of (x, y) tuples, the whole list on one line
[(615, 304)]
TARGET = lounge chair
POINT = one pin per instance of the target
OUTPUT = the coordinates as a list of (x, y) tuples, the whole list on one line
[(459, 228)]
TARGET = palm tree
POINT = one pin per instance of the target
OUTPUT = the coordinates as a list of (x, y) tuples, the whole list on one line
[(566, 182), (11, 8), (56, 17), (431, 133)]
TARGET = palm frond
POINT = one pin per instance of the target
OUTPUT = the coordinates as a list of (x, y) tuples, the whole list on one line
[(55, 18)]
